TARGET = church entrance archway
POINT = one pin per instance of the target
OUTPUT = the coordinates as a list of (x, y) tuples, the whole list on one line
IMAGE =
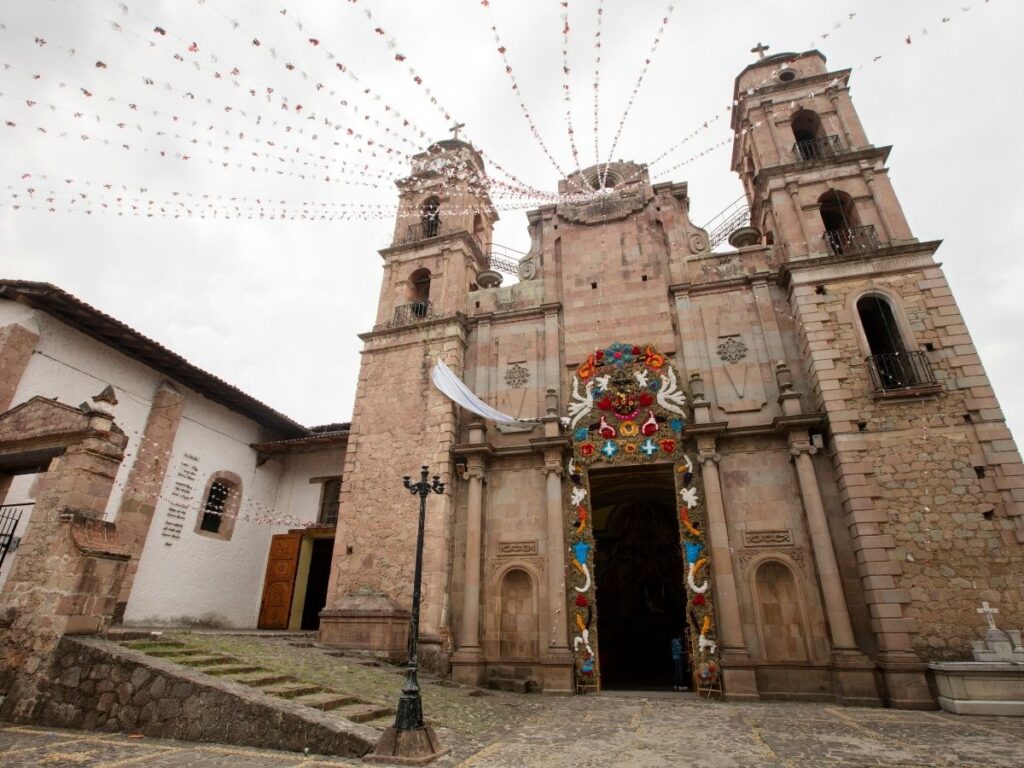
[(639, 576), (633, 541)]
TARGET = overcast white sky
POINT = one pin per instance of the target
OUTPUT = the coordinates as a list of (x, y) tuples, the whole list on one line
[(274, 306)]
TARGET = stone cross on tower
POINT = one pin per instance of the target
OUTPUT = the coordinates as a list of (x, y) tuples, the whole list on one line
[(455, 130), (989, 612), (759, 49)]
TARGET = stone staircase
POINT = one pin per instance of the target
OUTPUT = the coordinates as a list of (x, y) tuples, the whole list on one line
[(346, 706)]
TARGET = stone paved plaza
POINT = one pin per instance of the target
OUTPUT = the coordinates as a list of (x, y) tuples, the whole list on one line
[(647, 731)]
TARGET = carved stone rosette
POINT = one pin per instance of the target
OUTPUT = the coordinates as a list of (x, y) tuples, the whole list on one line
[(627, 408)]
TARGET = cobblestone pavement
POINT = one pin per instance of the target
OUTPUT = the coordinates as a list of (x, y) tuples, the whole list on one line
[(645, 731), (656, 730)]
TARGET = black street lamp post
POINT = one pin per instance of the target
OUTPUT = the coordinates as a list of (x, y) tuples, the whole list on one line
[(409, 739), (410, 706)]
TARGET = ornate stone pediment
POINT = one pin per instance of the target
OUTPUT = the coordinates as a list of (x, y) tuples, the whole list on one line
[(42, 420)]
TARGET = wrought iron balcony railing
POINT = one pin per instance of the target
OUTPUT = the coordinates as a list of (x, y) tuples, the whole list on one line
[(852, 240), (818, 149), (900, 370), (409, 314), (423, 230)]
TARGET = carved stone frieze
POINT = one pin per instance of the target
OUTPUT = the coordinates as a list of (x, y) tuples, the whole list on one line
[(767, 538), (513, 548)]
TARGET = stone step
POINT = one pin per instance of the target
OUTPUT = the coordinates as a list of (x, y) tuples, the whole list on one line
[(364, 713), (290, 690), (512, 684), (381, 723), (326, 700), (143, 644), (231, 669), (121, 635), (260, 679), (204, 661), (173, 652)]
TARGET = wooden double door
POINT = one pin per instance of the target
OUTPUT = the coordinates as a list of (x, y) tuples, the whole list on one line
[(295, 587)]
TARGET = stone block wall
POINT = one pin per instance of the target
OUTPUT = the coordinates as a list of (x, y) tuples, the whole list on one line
[(930, 485), (94, 684)]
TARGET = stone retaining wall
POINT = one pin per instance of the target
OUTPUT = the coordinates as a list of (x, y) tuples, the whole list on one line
[(97, 685)]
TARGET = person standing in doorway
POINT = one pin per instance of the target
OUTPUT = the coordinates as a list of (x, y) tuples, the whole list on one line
[(680, 683)]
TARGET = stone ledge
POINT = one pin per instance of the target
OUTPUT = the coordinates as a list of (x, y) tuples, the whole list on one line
[(94, 684)]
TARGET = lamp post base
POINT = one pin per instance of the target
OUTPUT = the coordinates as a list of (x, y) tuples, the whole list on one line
[(418, 746)]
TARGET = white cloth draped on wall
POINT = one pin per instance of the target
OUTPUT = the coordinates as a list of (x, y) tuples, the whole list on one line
[(455, 389)]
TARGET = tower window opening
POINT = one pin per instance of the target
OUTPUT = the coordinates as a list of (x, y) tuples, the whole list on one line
[(890, 364), (843, 231), (430, 217), (419, 292), (812, 143)]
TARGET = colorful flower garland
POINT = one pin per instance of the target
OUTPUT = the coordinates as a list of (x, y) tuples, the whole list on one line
[(627, 408)]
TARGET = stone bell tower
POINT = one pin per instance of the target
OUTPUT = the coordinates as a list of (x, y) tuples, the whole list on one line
[(928, 474), (400, 421)]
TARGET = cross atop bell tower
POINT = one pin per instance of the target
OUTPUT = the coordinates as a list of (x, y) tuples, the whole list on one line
[(759, 49)]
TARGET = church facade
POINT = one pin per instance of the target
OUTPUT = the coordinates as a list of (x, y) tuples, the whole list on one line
[(786, 454), (783, 458)]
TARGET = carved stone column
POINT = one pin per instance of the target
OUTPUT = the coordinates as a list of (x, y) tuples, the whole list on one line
[(738, 676), (794, 193), (467, 661), (853, 673), (821, 540), (833, 95), (556, 657), (869, 179), (769, 116)]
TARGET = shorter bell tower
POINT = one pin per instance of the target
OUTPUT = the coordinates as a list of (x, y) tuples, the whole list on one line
[(400, 421)]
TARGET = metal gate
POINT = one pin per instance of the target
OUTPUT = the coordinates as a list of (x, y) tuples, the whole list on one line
[(10, 516)]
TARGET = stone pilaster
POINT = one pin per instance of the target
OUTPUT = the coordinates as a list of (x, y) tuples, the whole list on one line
[(16, 346), (146, 478), (739, 680), (467, 661)]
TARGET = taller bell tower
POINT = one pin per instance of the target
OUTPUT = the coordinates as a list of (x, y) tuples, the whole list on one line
[(926, 469), (400, 421)]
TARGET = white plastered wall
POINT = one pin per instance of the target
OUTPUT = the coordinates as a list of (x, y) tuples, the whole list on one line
[(191, 579)]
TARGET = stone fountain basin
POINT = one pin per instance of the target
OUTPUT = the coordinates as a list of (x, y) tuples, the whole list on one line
[(980, 687)]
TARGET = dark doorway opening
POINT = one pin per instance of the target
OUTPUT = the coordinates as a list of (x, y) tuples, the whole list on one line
[(638, 567), (316, 586)]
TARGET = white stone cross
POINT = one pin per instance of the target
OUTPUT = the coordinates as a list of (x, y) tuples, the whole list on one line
[(988, 611)]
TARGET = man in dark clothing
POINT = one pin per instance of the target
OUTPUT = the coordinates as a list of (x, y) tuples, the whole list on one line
[(680, 682)]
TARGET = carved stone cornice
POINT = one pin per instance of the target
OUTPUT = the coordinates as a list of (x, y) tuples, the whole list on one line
[(474, 449)]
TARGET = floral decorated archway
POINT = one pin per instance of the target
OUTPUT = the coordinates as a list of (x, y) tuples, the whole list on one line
[(628, 408)]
